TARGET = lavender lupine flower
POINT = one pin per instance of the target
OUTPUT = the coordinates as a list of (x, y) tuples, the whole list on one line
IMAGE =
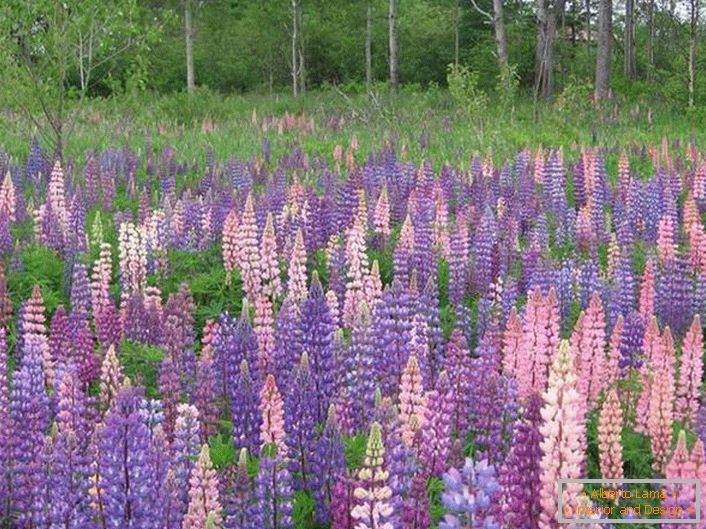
[(80, 290), (458, 261), (6, 440), (459, 368), (238, 495), (127, 482), (79, 348), (519, 474), (185, 449), (435, 443), (204, 509), (317, 336), (273, 491), (358, 368), (424, 262), (299, 410), (203, 395), (29, 413), (244, 407), (342, 503), (429, 313), (467, 496), (673, 299), (631, 342)]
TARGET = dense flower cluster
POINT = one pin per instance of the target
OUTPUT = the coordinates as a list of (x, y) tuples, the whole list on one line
[(375, 344)]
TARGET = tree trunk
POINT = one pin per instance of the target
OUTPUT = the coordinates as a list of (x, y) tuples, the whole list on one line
[(369, 49), (544, 54), (457, 31), (302, 63), (392, 21), (295, 40), (694, 4), (605, 18), (189, 36), (588, 25), (650, 52), (500, 40), (629, 68)]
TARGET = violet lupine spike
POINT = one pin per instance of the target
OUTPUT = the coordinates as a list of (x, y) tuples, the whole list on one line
[(459, 260), (358, 370), (185, 449), (273, 492), (126, 480), (240, 509), (317, 329), (299, 423), (6, 440), (404, 252), (80, 350), (435, 443), (80, 293), (203, 395), (169, 387), (459, 367), (244, 407), (342, 503), (327, 461), (467, 496)]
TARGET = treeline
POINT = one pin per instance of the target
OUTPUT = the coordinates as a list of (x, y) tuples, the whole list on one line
[(629, 47)]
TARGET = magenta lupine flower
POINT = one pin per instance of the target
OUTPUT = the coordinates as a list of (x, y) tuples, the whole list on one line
[(342, 503), (562, 429), (610, 426), (204, 509), (373, 509), (271, 282), (690, 373)]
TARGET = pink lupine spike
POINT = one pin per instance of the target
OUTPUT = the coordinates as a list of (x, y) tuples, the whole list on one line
[(204, 510), (332, 303), (271, 282), (540, 339), (623, 174), (264, 328), (613, 358), (512, 343), (296, 283), (652, 342), (56, 195), (229, 244), (647, 292), (610, 448), (33, 329), (588, 349), (539, 166), (248, 251), (666, 247), (100, 279), (210, 328), (111, 378), (659, 422), (373, 284), (690, 373), (8, 201), (272, 411), (132, 256), (690, 214), (562, 429), (357, 270), (440, 226), (412, 401), (613, 255), (404, 251), (381, 215)]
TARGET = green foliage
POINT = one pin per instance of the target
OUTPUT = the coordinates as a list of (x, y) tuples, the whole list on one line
[(40, 266), (354, 449), (575, 98), (463, 87), (222, 450), (141, 364)]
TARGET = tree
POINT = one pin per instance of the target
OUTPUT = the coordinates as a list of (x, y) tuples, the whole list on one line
[(369, 48), (499, 28), (54, 50), (547, 11), (629, 68), (189, 43), (650, 51), (605, 36), (693, 23), (392, 22)]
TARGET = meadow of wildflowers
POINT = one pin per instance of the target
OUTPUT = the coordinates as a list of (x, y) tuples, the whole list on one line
[(351, 340)]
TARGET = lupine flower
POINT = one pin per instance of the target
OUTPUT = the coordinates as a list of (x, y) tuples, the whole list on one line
[(272, 413), (661, 414), (412, 401), (690, 373), (613, 357), (273, 492), (271, 283), (381, 216), (610, 426), (204, 394), (372, 509), (512, 340), (296, 283), (238, 497), (588, 351), (342, 503), (8, 202), (248, 252), (357, 270), (467, 496), (100, 279), (185, 449), (264, 331), (111, 378), (458, 367), (230, 245), (204, 509), (245, 410), (562, 430), (435, 442)]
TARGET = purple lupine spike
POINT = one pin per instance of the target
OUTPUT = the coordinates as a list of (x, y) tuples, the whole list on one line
[(6, 440), (238, 495), (204, 396), (178, 336), (458, 261), (80, 290), (127, 482), (358, 369), (29, 413), (435, 444), (327, 461), (135, 320), (300, 419), (273, 491), (484, 240), (415, 513), (77, 225), (493, 407), (58, 333), (5, 235), (317, 329), (169, 386), (467, 496), (68, 482), (673, 299), (79, 348), (107, 322), (631, 342), (343, 502), (244, 405), (622, 299), (432, 335), (424, 261), (185, 450), (392, 327), (459, 368), (520, 472), (652, 208), (288, 337)]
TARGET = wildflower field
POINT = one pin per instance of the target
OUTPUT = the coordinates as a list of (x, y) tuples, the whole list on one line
[(330, 322)]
